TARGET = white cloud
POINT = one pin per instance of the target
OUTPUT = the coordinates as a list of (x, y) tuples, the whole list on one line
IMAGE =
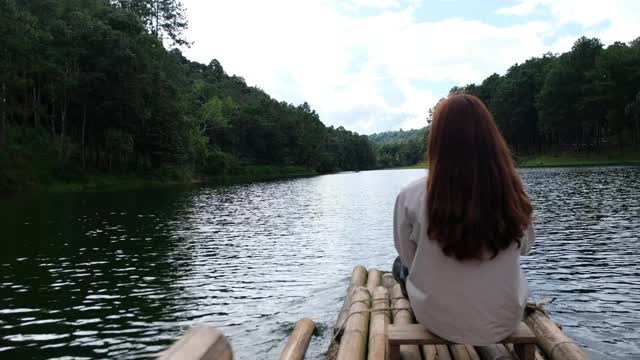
[(346, 66), (522, 8), (621, 16), (377, 4)]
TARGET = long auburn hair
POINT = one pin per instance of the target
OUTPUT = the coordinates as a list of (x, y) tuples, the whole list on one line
[(476, 204)]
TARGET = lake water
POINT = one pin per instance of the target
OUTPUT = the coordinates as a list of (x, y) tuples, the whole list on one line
[(121, 274)]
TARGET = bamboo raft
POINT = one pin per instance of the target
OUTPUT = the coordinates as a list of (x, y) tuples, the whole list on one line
[(376, 322)]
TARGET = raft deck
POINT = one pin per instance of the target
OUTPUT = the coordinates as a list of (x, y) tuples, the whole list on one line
[(374, 304)]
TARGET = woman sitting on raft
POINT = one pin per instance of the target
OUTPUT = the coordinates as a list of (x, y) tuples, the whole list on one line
[(461, 232)]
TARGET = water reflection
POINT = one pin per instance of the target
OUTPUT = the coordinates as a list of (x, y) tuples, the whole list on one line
[(93, 269), (121, 274), (588, 225)]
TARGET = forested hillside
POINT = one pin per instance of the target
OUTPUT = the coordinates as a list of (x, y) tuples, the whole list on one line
[(88, 87), (92, 88), (400, 148), (581, 105), (585, 100)]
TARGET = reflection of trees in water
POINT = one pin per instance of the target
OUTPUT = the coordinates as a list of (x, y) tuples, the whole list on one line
[(94, 267)]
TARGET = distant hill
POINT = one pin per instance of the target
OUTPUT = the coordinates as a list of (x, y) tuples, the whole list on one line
[(390, 137), (399, 148)]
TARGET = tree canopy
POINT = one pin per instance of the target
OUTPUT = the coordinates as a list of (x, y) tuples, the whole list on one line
[(400, 148), (581, 100), (101, 86), (93, 88), (584, 100)]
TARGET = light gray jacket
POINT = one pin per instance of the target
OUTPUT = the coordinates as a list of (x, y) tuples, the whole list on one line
[(472, 302)]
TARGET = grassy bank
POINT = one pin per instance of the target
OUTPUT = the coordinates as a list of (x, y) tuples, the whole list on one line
[(103, 182), (605, 158), (260, 173), (98, 182), (568, 159), (420, 165), (30, 161)]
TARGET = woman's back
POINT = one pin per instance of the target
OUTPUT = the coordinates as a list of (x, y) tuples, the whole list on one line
[(462, 230), (475, 302)]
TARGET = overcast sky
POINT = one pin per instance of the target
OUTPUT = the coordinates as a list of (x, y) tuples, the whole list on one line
[(376, 65)]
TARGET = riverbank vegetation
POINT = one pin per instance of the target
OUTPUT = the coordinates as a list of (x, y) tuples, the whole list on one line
[(399, 148), (577, 108), (89, 89), (612, 157), (627, 156), (100, 89), (586, 100)]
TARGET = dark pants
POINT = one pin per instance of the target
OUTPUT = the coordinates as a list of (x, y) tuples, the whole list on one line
[(400, 273)]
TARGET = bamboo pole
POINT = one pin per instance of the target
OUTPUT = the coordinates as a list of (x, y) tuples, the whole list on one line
[(354, 339), (555, 344), (459, 352), (494, 352), (358, 278), (359, 275), (200, 343), (298, 340), (407, 352), (430, 352), (538, 354), (443, 352), (374, 277), (388, 281), (378, 325), (472, 352), (436, 352), (463, 352)]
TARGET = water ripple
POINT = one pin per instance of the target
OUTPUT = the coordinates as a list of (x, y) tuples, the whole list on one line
[(121, 274)]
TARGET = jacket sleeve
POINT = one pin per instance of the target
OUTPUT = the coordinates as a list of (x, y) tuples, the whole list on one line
[(527, 241), (402, 228)]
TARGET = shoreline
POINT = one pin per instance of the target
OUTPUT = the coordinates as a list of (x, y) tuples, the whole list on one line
[(561, 160), (570, 160), (105, 182), (585, 164), (99, 183)]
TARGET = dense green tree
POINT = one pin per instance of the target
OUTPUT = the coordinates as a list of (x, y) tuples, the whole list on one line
[(88, 86), (400, 148), (93, 80), (513, 102), (581, 100), (617, 80), (556, 101), (632, 114), (163, 18)]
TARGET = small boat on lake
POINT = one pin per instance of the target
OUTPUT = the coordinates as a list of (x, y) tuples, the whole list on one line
[(376, 322)]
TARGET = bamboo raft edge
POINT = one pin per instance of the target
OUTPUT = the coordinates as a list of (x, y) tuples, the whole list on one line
[(551, 342)]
